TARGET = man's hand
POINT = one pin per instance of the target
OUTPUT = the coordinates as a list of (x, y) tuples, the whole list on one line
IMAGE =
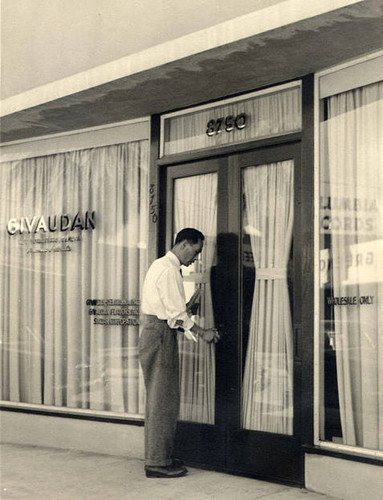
[(210, 335)]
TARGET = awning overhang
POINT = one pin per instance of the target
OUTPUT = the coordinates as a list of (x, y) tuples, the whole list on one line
[(254, 62)]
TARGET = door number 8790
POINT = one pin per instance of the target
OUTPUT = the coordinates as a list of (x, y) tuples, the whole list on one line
[(226, 124)]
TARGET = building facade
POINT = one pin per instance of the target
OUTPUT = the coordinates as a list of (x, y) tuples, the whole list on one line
[(265, 132)]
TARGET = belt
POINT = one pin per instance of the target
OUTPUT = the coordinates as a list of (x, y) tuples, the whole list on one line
[(150, 318)]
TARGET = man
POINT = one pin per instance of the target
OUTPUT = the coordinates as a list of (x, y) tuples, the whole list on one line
[(167, 314)]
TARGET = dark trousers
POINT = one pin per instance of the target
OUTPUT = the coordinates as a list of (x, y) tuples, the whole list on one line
[(158, 352)]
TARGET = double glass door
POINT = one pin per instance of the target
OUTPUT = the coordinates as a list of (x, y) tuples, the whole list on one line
[(238, 400)]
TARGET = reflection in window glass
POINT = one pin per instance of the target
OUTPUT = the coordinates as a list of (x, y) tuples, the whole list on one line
[(351, 267), (73, 253)]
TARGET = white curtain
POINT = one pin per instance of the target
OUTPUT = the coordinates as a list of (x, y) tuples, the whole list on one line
[(267, 397), (52, 351), (196, 206), (355, 162)]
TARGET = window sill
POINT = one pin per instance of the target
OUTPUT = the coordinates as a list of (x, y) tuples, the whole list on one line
[(95, 416), (342, 454)]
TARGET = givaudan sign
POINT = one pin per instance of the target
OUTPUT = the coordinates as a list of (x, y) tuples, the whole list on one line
[(52, 223)]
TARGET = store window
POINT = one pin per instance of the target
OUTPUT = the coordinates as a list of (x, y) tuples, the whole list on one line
[(74, 237), (351, 267)]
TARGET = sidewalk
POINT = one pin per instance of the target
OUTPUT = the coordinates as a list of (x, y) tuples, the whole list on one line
[(51, 474)]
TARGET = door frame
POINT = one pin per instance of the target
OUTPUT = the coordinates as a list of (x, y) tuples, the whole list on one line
[(201, 444), (239, 437), (216, 440), (304, 238)]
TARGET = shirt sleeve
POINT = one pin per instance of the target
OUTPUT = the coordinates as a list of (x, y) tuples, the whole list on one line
[(171, 292)]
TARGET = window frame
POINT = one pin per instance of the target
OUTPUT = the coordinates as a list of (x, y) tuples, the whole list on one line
[(77, 140), (329, 82)]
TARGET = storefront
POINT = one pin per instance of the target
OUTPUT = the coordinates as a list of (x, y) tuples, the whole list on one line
[(286, 184)]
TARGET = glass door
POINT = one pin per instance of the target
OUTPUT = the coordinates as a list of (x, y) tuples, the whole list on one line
[(195, 205), (238, 397), (263, 435), (267, 229), (192, 201)]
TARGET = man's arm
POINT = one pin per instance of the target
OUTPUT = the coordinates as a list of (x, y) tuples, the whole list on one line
[(170, 288), (171, 292)]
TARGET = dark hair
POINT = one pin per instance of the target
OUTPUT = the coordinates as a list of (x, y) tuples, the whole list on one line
[(189, 234)]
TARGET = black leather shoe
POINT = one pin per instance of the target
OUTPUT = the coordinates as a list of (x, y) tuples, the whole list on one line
[(177, 462), (164, 472)]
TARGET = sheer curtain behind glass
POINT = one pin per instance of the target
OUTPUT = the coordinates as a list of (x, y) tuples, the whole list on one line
[(267, 397), (267, 115), (195, 205), (355, 161), (53, 353)]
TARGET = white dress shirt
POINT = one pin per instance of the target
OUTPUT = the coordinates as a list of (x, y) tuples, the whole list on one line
[(163, 292)]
